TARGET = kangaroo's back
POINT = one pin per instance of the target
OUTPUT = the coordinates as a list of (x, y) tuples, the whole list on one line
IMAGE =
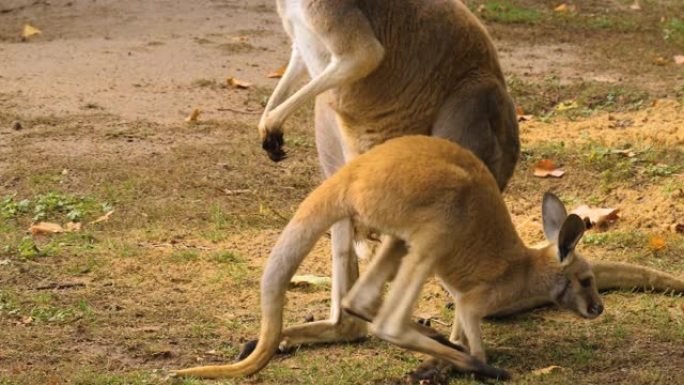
[(432, 49)]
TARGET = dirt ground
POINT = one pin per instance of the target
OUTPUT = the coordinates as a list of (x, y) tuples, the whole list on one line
[(92, 119)]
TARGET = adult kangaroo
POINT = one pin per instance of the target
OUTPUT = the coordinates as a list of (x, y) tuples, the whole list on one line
[(381, 69)]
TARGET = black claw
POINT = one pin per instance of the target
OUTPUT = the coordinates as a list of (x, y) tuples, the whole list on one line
[(425, 322), (273, 144), (430, 372), (436, 372), (247, 349), (483, 370)]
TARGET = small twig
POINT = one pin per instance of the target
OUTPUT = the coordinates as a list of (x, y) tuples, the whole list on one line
[(278, 214), (236, 192), (60, 285), (436, 320), (239, 111)]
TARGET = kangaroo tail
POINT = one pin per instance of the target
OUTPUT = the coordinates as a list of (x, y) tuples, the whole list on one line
[(320, 210), (620, 275)]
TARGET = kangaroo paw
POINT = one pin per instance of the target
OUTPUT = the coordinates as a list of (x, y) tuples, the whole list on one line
[(273, 144), (249, 347), (430, 372), (436, 372)]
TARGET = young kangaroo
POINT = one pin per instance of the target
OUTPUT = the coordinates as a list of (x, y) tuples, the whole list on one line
[(381, 69), (443, 214)]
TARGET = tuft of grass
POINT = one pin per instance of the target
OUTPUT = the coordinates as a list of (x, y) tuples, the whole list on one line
[(226, 257), (507, 13), (94, 376), (52, 205), (616, 240), (673, 30), (184, 256), (10, 209), (550, 98)]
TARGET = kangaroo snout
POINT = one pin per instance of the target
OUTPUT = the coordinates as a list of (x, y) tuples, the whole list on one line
[(594, 310)]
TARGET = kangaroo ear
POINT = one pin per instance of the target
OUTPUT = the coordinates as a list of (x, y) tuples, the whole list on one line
[(570, 234), (553, 216)]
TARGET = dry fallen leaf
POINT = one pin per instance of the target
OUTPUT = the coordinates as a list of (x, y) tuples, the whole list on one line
[(659, 61), (240, 38), (522, 117), (27, 320), (656, 243), (104, 217), (309, 280), (194, 115), (595, 216), (627, 153), (277, 73), (72, 227), (564, 106), (678, 59), (29, 31), (562, 8), (46, 228), (545, 168), (635, 6), (547, 370), (236, 83)]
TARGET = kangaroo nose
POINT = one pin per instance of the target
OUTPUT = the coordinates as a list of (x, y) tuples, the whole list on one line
[(596, 309)]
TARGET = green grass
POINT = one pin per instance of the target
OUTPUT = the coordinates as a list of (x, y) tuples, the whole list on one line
[(94, 376), (52, 205), (551, 98), (508, 13), (673, 30)]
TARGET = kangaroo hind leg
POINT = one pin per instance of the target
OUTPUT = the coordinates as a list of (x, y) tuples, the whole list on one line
[(365, 297), (393, 322)]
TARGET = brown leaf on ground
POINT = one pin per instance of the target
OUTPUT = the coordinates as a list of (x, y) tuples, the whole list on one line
[(29, 31), (547, 370), (659, 61), (194, 115), (522, 117), (678, 59), (595, 216), (104, 217), (277, 73), (236, 83), (545, 168), (627, 153), (46, 228), (564, 8), (71, 227), (635, 6), (656, 243)]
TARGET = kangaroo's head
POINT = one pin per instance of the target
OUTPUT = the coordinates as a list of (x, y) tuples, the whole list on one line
[(574, 286)]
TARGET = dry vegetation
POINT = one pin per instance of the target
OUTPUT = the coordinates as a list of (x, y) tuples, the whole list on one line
[(170, 279)]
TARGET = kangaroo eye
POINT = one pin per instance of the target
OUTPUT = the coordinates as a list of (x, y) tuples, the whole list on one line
[(586, 282)]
